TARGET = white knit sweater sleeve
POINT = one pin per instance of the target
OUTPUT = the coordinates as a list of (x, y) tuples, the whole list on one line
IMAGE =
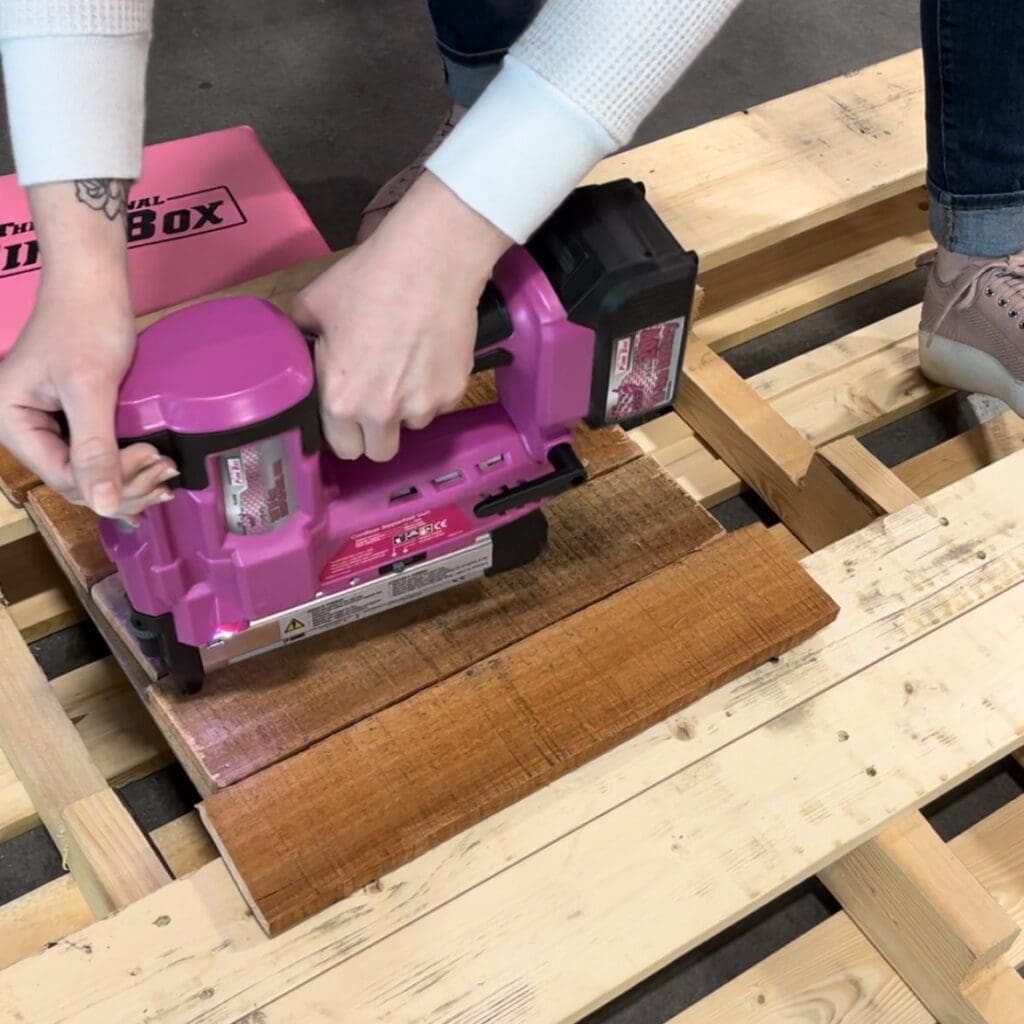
[(74, 74), (573, 89)]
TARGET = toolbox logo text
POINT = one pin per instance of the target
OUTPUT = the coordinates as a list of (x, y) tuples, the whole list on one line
[(150, 220)]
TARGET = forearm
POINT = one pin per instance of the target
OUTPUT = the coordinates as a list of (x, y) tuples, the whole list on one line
[(573, 90), (81, 230), (74, 72)]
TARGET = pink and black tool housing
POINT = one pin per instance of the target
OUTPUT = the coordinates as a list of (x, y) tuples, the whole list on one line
[(269, 531)]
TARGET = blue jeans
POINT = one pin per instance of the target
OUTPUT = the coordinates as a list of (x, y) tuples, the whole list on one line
[(473, 37), (974, 96)]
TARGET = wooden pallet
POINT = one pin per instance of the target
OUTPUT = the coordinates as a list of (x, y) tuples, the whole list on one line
[(815, 764)]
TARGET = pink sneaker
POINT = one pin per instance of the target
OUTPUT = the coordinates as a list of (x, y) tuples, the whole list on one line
[(972, 324), (389, 194)]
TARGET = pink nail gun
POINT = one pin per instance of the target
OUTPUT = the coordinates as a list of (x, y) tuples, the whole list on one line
[(271, 539)]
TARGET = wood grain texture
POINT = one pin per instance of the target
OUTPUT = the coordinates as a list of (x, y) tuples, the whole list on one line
[(41, 918), (775, 286), (15, 479), (122, 741), (424, 770), (852, 385), (73, 533), (865, 475), (603, 536), (39, 595), (53, 764), (766, 451), (604, 834), (931, 919), (758, 177), (966, 453), (833, 975)]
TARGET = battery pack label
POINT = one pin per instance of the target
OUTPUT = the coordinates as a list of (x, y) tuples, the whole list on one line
[(389, 591), (646, 370), (393, 541), (257, 487)]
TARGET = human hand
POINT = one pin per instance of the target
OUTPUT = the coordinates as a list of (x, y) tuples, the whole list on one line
[(72, 356), (396, 320)]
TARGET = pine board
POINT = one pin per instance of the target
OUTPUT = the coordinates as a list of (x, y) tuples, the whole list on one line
[(757, 177), (853, 385), (418, 773), (778, 285), (121, 738), (50, 913), (430, 925), (833, 974)]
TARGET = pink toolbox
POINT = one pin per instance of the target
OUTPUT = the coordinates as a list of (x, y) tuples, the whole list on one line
[(208, 212)]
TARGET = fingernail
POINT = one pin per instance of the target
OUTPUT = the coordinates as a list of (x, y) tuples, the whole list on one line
[(104, 499), (166, 497), (168, 474)]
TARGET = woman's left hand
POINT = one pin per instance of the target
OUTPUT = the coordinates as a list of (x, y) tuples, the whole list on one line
[(396, 320)]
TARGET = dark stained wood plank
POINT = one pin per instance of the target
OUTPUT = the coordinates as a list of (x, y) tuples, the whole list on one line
[(602, 537), (15, 480), (315, 828), (72, 532)]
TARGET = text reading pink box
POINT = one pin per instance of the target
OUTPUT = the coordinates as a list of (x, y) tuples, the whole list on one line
[(208, 212)]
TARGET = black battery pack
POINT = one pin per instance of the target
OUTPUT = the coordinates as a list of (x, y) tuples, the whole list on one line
[(618, 270)]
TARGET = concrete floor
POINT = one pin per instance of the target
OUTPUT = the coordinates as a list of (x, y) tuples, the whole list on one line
[(342, 95)]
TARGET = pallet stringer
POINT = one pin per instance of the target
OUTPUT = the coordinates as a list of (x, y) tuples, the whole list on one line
[(949, 937), (108, 856), (932, 920)]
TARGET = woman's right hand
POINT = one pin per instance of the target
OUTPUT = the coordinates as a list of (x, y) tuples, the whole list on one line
[(72, 356)]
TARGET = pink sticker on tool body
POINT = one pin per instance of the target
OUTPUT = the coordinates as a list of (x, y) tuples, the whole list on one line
[(393, 541), (646, 368)]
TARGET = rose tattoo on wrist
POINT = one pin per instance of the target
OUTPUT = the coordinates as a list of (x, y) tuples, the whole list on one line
[(108, 196)]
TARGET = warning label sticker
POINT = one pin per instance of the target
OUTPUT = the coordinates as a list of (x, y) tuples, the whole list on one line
[(378, 595)]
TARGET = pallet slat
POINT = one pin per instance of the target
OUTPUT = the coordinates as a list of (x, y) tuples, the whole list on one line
[(898, 583), (756, 178), (833, 973), (852, 385), (53, 764), (119, 735), (55, 910), (776, 286)]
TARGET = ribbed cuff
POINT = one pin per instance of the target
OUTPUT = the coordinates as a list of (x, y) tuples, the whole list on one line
[(519, 151), (76, 106)]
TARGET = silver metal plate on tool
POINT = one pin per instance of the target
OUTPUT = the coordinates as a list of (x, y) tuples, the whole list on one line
[(358, 602), (257, 487)]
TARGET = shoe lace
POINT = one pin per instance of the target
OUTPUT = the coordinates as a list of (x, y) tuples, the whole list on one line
[(1003, 280)]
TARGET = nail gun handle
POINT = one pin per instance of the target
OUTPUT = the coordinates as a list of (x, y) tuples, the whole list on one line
[(493, 322), (494, 325)]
